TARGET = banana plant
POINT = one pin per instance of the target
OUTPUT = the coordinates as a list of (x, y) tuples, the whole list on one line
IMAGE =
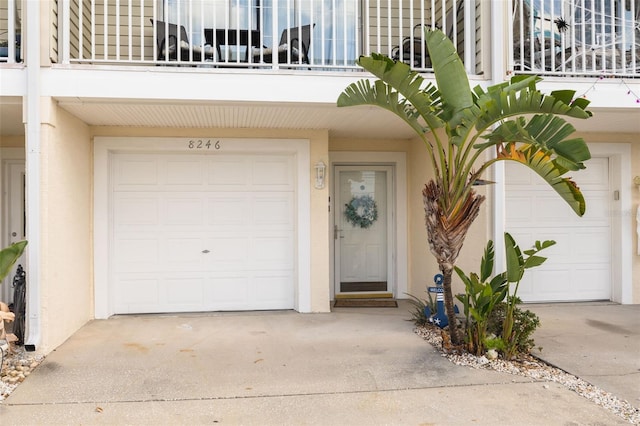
[(458, 125)]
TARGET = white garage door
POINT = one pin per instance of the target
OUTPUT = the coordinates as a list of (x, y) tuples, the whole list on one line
[(578, 267), (202, 232)]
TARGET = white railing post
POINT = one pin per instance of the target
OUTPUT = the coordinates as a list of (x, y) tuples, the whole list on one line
[(498, 40), (274, 34), (64, 22), (11, 32), (469, 26)]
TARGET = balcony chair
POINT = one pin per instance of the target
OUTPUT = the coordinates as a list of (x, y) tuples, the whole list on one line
[(172, 53), (410, 51), (294, 42)]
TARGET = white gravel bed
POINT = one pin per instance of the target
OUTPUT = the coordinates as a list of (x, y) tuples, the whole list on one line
[(16, 367), (529, 366)]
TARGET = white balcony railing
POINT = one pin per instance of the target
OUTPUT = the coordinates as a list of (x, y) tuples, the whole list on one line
[(549, 37), (10, 46), (304, 34), (576, 37)]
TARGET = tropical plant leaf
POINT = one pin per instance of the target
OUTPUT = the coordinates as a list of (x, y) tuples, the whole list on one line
[(402, 85), (9, 256), (533, 261), (450, 74), (486, 265), (383, 96), (514, 258), (541, 163)]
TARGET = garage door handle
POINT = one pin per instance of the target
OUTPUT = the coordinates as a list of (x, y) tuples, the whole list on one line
[(205, 251)]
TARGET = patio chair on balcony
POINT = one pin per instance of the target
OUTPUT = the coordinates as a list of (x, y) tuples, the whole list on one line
[(412, 47), (293, 47), (174, 48)]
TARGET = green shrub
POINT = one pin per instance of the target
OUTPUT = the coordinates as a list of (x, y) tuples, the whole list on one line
[(524, 325)]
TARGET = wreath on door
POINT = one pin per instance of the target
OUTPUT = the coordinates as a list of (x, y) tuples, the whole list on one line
[(361, 211)]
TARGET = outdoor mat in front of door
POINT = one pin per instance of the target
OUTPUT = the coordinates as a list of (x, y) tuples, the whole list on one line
[(365, 303)]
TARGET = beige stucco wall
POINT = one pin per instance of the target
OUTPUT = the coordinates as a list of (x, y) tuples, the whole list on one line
[(11, 141), (320, 291), (65, 232)]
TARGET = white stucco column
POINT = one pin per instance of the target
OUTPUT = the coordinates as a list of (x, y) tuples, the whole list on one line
[(31, 116)]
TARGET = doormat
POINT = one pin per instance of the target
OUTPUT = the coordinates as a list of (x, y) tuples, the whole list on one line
[(365, 303)]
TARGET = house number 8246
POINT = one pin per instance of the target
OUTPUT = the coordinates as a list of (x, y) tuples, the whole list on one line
[(203, 144)]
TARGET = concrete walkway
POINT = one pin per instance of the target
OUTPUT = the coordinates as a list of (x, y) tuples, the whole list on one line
[(598, 342), (350, 367)]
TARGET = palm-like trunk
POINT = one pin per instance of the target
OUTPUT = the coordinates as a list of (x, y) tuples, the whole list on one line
[(446, 230)]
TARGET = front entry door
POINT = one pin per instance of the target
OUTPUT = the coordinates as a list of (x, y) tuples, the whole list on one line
[(362, 224)]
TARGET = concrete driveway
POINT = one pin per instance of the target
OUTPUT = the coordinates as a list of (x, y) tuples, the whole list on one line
[(598, 342), (349, 367)]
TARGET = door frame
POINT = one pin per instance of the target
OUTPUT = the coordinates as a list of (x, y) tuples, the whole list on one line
[(11, 158), (105, 146), (390, 215), (619, 155), (398, 240)]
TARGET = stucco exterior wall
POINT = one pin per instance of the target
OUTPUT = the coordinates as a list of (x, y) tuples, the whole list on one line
[(11, 141), (319, 198), (66, 265)]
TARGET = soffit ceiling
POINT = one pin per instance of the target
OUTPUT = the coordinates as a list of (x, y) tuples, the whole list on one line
[(360, 122)]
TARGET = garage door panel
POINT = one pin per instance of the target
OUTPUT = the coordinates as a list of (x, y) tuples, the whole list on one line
[(268, 290), (273, 210), (183, 293), (595, 176), (271, 253), (598, 207), (137, 293), (227, 211), (226, 252), (520, 209), (592, 245), (203, 232), (135, 254), (183, 172), (590, 281), (135, 210), (272, 172), (552, 282), (227, 171), (132, 172), (180, 253), (182, 211), (578, 266), (226, 292)]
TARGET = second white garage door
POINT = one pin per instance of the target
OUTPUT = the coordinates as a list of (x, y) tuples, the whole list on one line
[(579, 266), (202, 232)]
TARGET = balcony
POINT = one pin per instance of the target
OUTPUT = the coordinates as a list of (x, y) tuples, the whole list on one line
[(323, 35), (576, 37)]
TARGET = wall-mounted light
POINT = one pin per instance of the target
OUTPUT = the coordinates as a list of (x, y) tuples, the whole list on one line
[(321, 170), (636, 182)]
